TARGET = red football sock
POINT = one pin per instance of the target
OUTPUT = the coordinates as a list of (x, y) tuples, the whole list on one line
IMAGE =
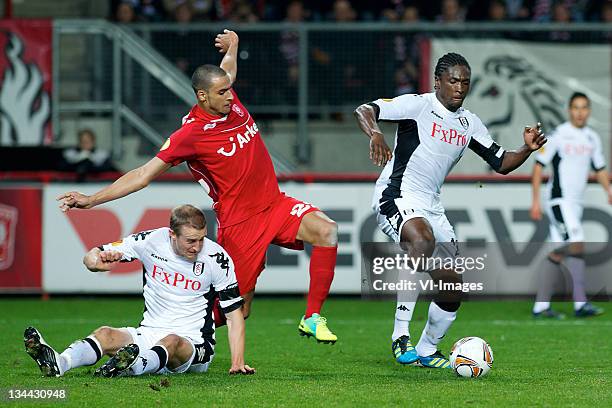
[(322, 265), (219, 316)]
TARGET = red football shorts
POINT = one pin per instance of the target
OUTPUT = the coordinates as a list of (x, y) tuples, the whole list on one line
[(248, 241)]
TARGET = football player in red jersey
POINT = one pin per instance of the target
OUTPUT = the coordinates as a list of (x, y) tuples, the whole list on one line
[(222, 146)]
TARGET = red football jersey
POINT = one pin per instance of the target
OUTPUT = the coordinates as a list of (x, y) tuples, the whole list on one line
[(227, 156)]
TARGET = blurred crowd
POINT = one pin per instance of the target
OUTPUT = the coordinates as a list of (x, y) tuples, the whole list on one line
[(336, 63), (445, 11)]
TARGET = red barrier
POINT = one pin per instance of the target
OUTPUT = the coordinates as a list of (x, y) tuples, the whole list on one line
[(21, 239)]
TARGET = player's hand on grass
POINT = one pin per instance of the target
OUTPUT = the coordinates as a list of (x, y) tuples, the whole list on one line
[(225, 40), (74, 199), (534, 137), (241, 369), (535, 212), (380, 153)]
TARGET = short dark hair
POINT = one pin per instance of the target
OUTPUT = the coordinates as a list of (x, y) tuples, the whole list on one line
[(186, 214), (450, 60), (203, 75), (578, 95)]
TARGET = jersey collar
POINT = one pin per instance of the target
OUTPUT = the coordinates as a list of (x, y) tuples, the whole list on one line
[(200, 113)]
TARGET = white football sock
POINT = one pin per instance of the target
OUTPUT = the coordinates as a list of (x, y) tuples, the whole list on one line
[(403, 316), (539, 307), (81, 353), (406, 301), (151, 360), (438, 323)]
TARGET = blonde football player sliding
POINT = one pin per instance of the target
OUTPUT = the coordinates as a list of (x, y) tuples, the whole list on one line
[(182, 272)]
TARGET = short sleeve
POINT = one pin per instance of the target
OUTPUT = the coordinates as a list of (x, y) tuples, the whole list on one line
[(179, 147), (224, 281), (598, 162), (483, 145), (129, 246), (548, 151), (402, 107)]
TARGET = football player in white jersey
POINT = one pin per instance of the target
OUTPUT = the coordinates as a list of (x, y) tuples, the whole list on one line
[(573, 150), (182, 271), (433, 132)]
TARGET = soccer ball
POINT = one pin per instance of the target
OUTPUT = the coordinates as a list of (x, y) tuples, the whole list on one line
[(471, 357)]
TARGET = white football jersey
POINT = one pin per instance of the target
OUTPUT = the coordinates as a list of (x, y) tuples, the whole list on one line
[(573, 152), (429, 141), (179, 293)]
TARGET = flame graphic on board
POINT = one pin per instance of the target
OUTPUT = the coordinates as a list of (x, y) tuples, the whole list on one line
[(24, 104)]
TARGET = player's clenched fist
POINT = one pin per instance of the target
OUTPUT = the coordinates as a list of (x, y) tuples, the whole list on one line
[(225, 40), (242, 369), (97, 260)]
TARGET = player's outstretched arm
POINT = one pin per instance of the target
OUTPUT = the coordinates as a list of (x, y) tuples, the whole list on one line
[(380, 153), (130, 182), (97, 260), (534, 140), (536, 181), (227, 43), (235, 334)]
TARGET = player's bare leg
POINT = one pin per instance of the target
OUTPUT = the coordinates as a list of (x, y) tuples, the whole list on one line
[(172, 351), (321, 232), (111, 339)]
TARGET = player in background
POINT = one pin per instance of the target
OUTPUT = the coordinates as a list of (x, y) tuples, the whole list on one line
[(573, 150), (222, 146), (433, 132), (182, 271)]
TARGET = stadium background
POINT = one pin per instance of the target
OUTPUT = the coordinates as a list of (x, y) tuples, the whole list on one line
[(122, 69)]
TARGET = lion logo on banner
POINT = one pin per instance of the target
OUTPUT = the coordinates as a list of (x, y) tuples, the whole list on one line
[(24, 104), (512, 93)]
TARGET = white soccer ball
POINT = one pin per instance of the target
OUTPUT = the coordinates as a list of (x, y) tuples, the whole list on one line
[(471, 357)]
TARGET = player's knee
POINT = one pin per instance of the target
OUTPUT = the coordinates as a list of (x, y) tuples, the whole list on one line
[(327, 234), (418, 238), (246, 311), (172, 342), (424, 245), (104, 335)]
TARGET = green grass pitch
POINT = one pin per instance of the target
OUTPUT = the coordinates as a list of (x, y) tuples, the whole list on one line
[(537, 363)]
